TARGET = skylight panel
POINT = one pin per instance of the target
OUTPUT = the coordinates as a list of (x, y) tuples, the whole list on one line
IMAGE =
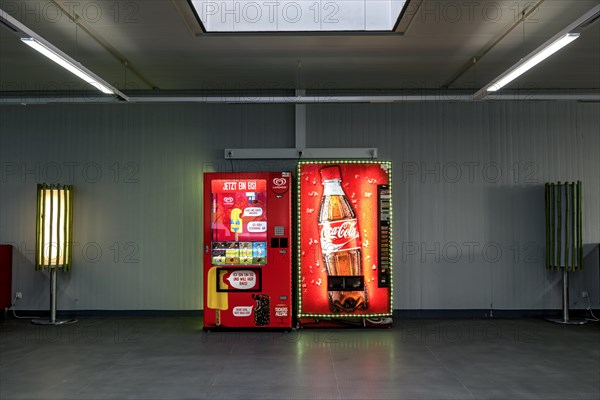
[(298, 15)]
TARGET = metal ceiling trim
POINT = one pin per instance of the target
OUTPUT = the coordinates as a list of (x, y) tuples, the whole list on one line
[(588, 96), (299, 99), (490, 45), (407, 16), (369, 153), (86, 27)]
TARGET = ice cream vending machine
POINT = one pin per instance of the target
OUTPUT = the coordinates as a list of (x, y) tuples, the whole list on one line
[(247, 250), (344, 241)]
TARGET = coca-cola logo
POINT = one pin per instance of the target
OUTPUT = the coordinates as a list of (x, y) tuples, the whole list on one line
[(228, 200), (339, 235), (347, 230), (279, 181)]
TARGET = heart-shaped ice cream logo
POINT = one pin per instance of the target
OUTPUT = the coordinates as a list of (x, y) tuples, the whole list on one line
[(279, 181), (228, 200)]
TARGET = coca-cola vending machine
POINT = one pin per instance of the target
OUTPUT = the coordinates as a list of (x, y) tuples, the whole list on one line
[(344, 242), (247, 250)]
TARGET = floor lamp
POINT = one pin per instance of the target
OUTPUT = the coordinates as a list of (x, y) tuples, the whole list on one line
[(564, 249), (54, 236)]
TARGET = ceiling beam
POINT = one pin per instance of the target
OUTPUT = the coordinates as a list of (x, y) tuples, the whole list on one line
[(186, 13), (410, 11), (307, 153), (471, 62), (563, 95), (106, 45)]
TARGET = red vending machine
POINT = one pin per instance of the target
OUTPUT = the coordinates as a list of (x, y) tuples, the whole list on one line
[(345, 242), (247, 250)]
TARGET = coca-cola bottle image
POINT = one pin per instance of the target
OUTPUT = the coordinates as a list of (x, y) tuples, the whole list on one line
[(341, 246)]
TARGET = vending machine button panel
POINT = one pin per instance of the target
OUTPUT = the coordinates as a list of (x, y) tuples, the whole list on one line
[(384, 214)]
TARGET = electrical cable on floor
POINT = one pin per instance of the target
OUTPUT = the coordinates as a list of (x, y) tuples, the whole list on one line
[(380, 321), (594, 318), (14, 305)]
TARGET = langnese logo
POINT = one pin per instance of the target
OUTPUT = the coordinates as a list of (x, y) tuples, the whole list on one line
[(279, 182), (228, 200), (280, 185)]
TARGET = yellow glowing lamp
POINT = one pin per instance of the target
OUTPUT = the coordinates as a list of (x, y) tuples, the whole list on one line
[(54, 238), (54, 226)]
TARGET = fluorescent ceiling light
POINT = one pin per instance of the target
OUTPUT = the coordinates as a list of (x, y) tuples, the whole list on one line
[(533, 61), (551, 46), (298, 16), (34, 44), (38, 43)]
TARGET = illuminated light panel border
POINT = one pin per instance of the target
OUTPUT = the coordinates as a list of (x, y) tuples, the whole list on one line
[(300, 314)]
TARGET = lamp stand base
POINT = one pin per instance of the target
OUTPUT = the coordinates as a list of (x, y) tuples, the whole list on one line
[(567, 321), (40, 321), (52, 320)]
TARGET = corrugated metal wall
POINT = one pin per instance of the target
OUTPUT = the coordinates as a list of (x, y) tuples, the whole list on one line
[(469, 197), (469, 222)]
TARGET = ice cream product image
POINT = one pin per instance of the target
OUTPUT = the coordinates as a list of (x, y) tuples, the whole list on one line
[(236, 223), (262, 311), (215, 300)]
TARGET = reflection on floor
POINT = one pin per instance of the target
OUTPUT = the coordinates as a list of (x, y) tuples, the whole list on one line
[(172, 358)]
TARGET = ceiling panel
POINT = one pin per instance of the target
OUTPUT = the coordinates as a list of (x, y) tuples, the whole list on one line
[(163, 52)]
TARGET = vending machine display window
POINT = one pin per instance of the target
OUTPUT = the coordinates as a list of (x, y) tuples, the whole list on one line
[(238, 280), (239, 222)]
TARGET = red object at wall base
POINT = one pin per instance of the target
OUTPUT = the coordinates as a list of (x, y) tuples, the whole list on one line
[(5, 275)]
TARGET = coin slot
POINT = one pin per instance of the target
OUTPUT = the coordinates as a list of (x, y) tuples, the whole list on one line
[(335, 283), (345, 283)]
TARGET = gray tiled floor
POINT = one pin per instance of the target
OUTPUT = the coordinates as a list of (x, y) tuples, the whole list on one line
[(172, 358)]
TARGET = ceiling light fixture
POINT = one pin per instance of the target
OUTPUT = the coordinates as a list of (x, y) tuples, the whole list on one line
[(526, 64), (554, 44), (38, 43), (34, 44)]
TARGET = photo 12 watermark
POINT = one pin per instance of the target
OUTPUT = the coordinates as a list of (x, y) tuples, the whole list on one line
[(91, 252), (69, 171), (349, 15), (470, 332), (90, 12), (86, 331), (470, 172), (471, 252), (443, 11)]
